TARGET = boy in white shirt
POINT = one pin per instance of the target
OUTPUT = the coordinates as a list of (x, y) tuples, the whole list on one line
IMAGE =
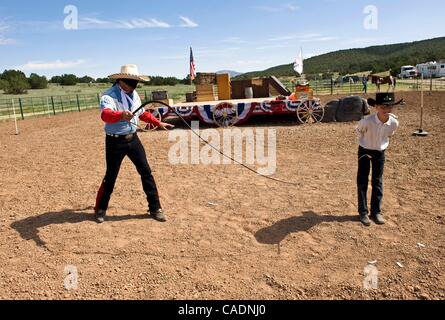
[(374, 132)]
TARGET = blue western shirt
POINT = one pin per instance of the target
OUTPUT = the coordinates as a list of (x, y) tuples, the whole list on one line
[(112, 99)]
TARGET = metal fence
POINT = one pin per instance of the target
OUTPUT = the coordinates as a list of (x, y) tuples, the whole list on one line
[(326, 87), (25, 107)]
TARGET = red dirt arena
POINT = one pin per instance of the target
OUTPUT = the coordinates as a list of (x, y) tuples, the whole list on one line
[(230, 234)]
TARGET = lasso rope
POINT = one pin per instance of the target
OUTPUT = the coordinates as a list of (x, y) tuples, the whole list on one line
[(209, 144)]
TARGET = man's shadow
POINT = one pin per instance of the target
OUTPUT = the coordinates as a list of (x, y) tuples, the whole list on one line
[(277, 232), (28, 228)]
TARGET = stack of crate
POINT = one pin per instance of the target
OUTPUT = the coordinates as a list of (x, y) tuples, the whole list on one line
[(223, 82), (205, 90), (162, 96)]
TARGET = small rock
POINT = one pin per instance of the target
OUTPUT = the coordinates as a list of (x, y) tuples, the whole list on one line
[(424, 296)]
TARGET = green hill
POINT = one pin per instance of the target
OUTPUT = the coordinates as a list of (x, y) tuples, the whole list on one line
[(375, 58)]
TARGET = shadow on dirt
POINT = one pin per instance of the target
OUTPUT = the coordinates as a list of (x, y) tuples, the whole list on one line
[(28, 228), (277, 232)]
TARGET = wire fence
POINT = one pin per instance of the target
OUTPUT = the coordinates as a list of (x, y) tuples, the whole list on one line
[(331, 87), (25, 107)]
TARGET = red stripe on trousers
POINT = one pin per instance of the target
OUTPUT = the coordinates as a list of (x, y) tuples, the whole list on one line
[(100, 193)]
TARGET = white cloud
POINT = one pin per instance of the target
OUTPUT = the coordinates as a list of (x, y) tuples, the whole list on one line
[(4, 40), (361, 41), (276, 46), (319, 39), (58, 64), (279, 8), (236, 40), (137, 23), (188, 23), (304, 36)]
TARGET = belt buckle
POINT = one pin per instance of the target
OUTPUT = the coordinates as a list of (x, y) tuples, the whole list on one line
[(129, 136)]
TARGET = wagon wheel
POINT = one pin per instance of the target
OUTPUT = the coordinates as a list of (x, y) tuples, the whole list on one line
[(225, 114), (310, 111), (153, 108)]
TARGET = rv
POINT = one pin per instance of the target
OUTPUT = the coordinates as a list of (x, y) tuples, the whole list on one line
[(432, 69), (408, 72)]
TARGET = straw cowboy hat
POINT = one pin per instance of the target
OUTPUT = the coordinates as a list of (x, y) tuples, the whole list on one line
[(129, 71)]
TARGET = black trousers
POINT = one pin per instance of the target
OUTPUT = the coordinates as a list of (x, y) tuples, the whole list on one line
[(116, 150), (377, 161)]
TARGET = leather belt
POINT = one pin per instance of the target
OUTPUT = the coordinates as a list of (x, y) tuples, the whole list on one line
[(125, 137)]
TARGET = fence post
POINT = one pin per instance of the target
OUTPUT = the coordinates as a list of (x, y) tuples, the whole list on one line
[(15, 118), (98, 98), (32, 106), (431, 85), (146, 96), (332, 86), (21, 108), (52, 102), (78, 103), (61, 103)]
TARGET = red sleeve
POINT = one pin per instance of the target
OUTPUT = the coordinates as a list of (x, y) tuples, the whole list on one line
[(110, 116), (149, 118)]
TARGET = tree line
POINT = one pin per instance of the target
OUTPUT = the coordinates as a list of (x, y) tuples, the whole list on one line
[(376, 59), (16, 82)]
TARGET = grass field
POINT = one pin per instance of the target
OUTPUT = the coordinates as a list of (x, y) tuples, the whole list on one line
[(175, 92), (58, 99)]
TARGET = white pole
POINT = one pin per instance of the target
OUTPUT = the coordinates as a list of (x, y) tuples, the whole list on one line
[(47, 104), (421, 104), (15, 118)]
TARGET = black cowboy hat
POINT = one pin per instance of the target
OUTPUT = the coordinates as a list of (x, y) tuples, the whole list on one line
[(384, 99)]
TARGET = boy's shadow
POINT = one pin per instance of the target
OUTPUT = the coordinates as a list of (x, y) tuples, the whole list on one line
[(28, 228), (277, 232)]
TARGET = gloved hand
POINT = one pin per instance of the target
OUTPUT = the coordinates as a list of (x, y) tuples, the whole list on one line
[(127, 116)]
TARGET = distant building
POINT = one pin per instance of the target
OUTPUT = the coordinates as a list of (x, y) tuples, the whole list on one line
[(432, 69)]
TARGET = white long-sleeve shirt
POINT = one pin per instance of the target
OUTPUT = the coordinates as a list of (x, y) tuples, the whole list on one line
[(373, 134)]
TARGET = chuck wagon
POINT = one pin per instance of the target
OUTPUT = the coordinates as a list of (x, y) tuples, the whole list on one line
[(232, 112)]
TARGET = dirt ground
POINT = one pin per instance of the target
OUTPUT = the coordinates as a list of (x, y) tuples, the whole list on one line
[(230, 234)]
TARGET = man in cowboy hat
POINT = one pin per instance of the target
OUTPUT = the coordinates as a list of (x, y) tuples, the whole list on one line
[(373, 133), (117, 107)]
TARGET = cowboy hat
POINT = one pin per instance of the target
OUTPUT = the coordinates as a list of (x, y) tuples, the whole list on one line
[(384, 99), (129, 71)]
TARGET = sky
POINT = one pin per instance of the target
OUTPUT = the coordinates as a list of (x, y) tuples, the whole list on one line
[(53, 37)]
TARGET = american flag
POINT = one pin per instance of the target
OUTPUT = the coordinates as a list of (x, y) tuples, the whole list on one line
[(192, 66)]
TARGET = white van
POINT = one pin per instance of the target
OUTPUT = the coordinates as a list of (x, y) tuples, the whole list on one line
[(408, 72)]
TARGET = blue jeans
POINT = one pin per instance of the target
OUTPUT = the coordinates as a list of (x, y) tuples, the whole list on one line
[(364, 165)]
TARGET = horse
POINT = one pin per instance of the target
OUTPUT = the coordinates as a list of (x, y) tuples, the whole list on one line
[(379, 80)]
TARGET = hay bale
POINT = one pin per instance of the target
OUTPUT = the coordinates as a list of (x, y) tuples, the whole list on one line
[(330, 111), (350, 109)]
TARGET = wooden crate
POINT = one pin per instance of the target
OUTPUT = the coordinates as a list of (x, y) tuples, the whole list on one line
[(159, 95), (205, 92), (190, 96), (223, 82), (205, 78)]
